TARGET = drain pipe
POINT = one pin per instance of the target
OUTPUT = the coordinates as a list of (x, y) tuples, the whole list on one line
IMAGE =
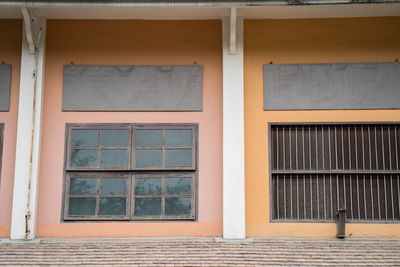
[(341, 223)]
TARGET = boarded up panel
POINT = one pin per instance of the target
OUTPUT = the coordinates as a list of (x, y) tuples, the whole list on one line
[(5, 83), (132, 88), (332, 86)]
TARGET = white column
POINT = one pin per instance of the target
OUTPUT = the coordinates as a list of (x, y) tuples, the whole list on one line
[(28, 138), (233, 133)]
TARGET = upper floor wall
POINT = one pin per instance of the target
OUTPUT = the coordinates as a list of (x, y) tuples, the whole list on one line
[(126, 43), (10, 53), (301, 41)]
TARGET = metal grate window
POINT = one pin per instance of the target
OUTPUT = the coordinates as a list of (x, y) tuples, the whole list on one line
[(319, 169)]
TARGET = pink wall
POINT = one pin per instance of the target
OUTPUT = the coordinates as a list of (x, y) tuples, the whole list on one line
[(132, 43), (10, 53)]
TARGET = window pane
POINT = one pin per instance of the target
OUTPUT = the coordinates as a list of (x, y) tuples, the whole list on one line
[(178, 138), (83, 186), (113, 158), (85, 138), (148, 158), (148, 137), (82, 206), (178, 157), (148, 186), (83, 158), (177, 206), (113, 187), (112, 206), (178, 186), (147, 206), (114, 138)]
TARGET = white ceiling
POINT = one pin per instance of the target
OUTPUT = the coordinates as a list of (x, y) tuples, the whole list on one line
[(254, 12)]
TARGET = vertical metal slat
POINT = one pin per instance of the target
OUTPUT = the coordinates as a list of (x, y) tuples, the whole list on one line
[(290, 148), (356, 144), (311, 198), (277, 195), (365, 199), (317, 198), (283, 148), (284, 193), (391, 195), (291, 197), (304, 160), (277, 148), (330, 188)]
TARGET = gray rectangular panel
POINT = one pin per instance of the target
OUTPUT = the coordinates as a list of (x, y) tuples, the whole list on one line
[(132, 88), (332, 86), (5, 83)]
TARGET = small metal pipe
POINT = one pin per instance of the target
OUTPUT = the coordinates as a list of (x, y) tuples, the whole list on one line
[(341, 223)]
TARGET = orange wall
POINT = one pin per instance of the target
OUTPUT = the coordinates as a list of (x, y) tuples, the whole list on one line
[(132, 43), (306, 41), (10, 53)]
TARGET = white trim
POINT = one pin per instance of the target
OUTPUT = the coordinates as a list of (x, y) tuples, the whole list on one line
[(26, 178), (232, 48), (233, 134)]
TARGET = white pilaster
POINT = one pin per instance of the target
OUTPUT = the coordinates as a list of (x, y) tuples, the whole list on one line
[(233, 133), (28, 136)]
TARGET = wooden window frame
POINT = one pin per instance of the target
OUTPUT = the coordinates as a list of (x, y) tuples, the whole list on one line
[(1, 146), (130, 172)]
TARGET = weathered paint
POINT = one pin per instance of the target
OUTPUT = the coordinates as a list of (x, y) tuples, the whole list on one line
[(10, 53), (28, 138), (132, 43), (306, 41)]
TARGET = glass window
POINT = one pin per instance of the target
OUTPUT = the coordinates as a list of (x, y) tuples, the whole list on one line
[(130, 172)]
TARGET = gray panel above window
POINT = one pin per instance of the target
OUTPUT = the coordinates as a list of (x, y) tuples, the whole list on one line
[(332, 86), (5, 84), (132, 88)]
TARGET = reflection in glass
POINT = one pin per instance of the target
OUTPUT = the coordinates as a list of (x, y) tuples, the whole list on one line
[(82, 206), (83, 158), (83, 186), (178, 138), (148, 158), (148, 137), (112, 187), (114, 138), (147, 206), (148, 186), (113, 158), (178, 157), (178, 186), (177, 206), (85, 138), (112, 206)]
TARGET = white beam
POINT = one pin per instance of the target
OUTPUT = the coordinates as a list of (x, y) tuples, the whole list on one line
[(23, 218), (29, 29), (232, 45), (233, 134)]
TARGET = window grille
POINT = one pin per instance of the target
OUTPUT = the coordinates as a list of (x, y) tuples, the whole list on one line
[(318, 169)]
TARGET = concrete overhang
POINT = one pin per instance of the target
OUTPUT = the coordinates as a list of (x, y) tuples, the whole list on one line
[(199, 9)]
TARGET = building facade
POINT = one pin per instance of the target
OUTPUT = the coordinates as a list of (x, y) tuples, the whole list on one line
[(237, 120)]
